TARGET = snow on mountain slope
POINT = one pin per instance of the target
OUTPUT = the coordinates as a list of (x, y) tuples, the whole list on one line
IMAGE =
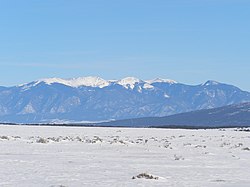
[(75, 82), (210, 83), (129, 82), (158, 80), (93, 81), (81, 81)]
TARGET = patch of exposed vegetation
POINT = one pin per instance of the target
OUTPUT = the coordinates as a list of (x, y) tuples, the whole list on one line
[(42, 140), (145, 176), (176, 157), (246, 149), (4, 137), (219, 180)]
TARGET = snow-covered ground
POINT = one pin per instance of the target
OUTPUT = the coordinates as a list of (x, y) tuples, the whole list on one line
[(71, 156)]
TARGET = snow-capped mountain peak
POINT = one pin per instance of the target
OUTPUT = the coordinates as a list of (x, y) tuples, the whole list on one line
[(129, 82), (159, 80), (210, 83), (50, 81), (94, 81), (89, 81), (77, 82)]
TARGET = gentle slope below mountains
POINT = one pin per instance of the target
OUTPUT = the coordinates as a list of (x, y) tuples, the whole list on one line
[(228, 116)]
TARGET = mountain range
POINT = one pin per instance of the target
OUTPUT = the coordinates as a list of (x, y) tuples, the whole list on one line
[(56, 100)]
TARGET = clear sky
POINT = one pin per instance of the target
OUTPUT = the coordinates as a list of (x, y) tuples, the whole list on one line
[(190, 41)]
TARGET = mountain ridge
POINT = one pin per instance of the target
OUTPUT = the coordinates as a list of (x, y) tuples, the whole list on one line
[(237, 115), (95, 81), (96, 99)]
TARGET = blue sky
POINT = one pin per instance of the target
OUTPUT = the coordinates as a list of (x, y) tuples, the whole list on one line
[(190, 41)]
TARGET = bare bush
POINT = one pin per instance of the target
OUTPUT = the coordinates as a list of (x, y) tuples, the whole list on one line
[(176, 157), (42, 140), (145, 176), (4, 137), (246, 149)]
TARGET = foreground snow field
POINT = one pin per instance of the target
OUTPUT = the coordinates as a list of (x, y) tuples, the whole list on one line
[(79, 156)]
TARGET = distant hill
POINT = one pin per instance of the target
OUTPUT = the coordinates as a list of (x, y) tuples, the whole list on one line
[(228, 116), (84, 99)]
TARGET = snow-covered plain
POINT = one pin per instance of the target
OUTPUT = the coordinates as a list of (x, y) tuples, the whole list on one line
[(79, 156)]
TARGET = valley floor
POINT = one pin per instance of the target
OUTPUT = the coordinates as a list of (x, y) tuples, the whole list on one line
[(75, 156)]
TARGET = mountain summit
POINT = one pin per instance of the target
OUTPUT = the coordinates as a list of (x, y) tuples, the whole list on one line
[(96, 99), (93, 81)]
